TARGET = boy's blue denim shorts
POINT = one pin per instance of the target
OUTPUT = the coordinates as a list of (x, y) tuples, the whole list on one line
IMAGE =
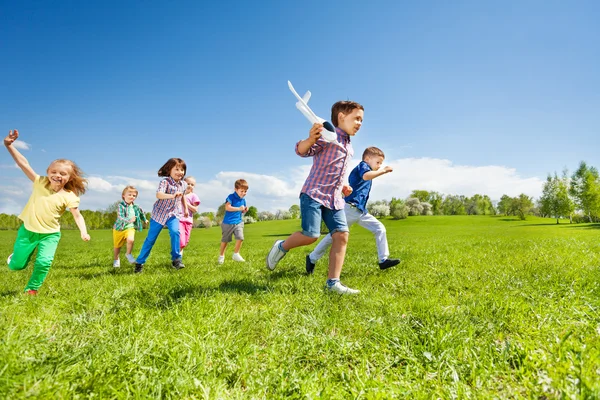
[(312, 212)]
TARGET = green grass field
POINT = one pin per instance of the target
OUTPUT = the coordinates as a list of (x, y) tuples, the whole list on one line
[(480, 307)]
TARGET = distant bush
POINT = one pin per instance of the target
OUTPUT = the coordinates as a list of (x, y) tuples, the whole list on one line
[(249, 220)]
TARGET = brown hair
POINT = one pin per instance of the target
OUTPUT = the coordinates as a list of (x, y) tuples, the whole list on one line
[(372, 151), (345, 107), (77, 182), (130, 188), (241, 184), (165, 170)]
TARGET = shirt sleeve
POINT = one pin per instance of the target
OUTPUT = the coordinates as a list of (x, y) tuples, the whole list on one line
[(73, 201), (122, 213), (229, 199), (313, 150), (195, 200), (356, 176), (363, 168), (162, 186)]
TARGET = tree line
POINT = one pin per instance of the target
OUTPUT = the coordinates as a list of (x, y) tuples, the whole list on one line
[(576, 197)]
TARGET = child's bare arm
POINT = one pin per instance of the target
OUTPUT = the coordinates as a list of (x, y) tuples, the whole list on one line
[(192, 208), (167, 196), (230, 208), (313, 135), (17, 156), (80, 222), (367, 176)]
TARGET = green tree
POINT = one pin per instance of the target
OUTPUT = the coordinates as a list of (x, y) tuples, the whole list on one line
[(555, 200), (220, 213), (585, 190), (453, 205), (398, 209), (252, 212), (422, 195), (523, 205), (436, 199), (295, 211)]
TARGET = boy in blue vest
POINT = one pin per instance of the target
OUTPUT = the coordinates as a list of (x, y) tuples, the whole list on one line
[(360, 180), (233, 224)]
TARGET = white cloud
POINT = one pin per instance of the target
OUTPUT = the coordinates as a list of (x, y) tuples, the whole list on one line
[(281, 190), (21, 145), (443, 176)]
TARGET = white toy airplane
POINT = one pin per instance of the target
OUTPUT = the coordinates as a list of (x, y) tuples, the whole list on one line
[(328, 133)]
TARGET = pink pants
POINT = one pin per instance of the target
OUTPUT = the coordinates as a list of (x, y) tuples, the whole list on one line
[(185, 230)]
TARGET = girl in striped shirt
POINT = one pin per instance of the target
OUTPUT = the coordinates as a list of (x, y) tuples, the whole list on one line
[(169, 205)]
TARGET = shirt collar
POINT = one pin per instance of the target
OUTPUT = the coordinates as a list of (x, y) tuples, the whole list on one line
[(342, 135)]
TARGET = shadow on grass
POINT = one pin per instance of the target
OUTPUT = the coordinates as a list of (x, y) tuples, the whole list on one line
[(10, 293), (244, 286), (581, 226)]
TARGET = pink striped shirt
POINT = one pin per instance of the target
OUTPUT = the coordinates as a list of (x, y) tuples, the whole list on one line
[(167, 208), (326, 178)]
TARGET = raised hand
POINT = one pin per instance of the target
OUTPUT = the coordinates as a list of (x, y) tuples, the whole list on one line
[(12, 136), (315, 132), (387, 169)]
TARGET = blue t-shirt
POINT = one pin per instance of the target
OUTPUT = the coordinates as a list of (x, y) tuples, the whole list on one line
[(234, 217), (360, 187)]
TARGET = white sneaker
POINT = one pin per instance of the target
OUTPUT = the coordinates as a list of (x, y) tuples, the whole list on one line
[(116, 263), (340, 288), (275, 255), (130, 258), (9, 258), (237, 257), (221, 259)]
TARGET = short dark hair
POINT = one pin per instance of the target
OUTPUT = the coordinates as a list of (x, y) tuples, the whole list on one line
[(372, 151), (165, 170), (345, 107)]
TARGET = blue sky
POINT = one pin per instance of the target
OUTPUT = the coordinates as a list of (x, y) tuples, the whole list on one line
[(464, 97)]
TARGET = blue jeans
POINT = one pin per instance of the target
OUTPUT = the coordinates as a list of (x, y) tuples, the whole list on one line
[(153, 232), (312, 212)]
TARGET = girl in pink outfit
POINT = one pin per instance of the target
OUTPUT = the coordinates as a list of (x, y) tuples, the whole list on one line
[(187, 221)]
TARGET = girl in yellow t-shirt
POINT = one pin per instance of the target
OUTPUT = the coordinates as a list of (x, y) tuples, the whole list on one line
[(51, 196)]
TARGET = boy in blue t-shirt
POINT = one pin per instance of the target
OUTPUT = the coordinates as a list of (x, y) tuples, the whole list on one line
[(233, 224), (360, 180)]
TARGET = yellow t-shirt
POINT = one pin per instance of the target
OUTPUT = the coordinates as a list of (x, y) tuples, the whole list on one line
[(45, 206)]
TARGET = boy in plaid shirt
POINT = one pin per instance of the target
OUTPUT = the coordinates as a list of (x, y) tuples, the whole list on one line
[(130, 218), (321, 196)]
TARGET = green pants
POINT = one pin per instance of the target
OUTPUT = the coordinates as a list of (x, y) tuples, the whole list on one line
[(27, 242)]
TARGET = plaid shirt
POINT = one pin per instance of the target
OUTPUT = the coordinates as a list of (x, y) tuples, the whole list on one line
[(124, 214), (326, 179), (167, 208)]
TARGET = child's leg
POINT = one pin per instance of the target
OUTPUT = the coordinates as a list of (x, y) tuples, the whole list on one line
[(222, 249), (185, 230), (23, 250), (173, 226), (238, 246), (321, 248), (337, 254), (238, 233), (117, 251), (46, 249), (352, 215), (153, 232), (336, 223), (311, 224), (378, 229), (130, 240)]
